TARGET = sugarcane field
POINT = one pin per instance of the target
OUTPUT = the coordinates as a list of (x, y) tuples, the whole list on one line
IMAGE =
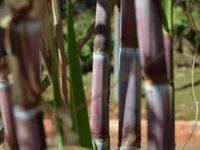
[(99, 74)]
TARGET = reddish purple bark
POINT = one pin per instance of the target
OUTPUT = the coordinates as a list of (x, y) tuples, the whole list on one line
[(6, 101), (101, 75), (102, 40), (100, 97), (151, 40), (7, 116), (129, 80), (168, 43), (155, 71), (130, 104), (128, 24), (30, 132), (24, 63), (158, 108), (2, 48)]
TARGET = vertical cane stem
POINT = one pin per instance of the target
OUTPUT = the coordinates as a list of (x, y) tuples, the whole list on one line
[(130, 80), (6, 100), (101, 76), (149, 24), (24, 34), (116, 51), (168, 44)]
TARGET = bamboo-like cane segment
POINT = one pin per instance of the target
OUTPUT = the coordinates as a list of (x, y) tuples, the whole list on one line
[(101, 76), (24, 34), (168, 44), (130, 81), (2, 47), (60, 49), (151, 41), (149, 24), (6, 100), (116, 51)]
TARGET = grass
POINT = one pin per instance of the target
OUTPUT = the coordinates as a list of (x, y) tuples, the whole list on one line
[(185, 107)]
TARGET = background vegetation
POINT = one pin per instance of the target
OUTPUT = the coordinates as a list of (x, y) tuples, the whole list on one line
[(184, 49)]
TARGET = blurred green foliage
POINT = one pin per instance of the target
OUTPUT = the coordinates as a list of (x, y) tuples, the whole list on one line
[(82, 22), (186, 14), (184, 33)]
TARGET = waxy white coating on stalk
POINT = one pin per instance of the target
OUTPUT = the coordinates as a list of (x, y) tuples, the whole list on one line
[(4, 84), (100, 56), (158, 115), (130, 51), (130, 105), (100, 96), (128, 148), (155, 94), (26, 114), (101, 144)]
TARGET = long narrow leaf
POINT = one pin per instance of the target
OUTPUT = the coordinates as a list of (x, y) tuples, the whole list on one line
[(78, 101), (167, 14), (55, 73)]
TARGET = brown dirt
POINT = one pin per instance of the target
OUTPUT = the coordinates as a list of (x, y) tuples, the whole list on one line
[(183, 129)]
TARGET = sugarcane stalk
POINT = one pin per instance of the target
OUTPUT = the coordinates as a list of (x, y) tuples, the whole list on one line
[(149, 25), (6, 100), (60, 49), (101, 76), (168, 45), (23, 48), (129, 81), (116, 51)]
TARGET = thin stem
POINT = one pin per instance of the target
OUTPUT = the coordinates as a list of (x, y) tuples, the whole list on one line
[(60, 49)]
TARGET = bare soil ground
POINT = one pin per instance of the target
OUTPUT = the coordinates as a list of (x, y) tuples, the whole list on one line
[(183, 129)]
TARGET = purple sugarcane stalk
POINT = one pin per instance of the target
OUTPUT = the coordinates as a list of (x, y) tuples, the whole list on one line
[(101, 76), (116, 51), (7, 115), (6, 101), (24, 64), (155, 72), (130, 81), (168, 44)]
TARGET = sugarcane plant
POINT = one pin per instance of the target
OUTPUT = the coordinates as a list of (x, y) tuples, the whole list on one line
[(77, 96), (101, 76), (60, 49), (116, 50), (50, 48), (23, 46), (129, 80), (167, 22), (151, 45), (6, 105)]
